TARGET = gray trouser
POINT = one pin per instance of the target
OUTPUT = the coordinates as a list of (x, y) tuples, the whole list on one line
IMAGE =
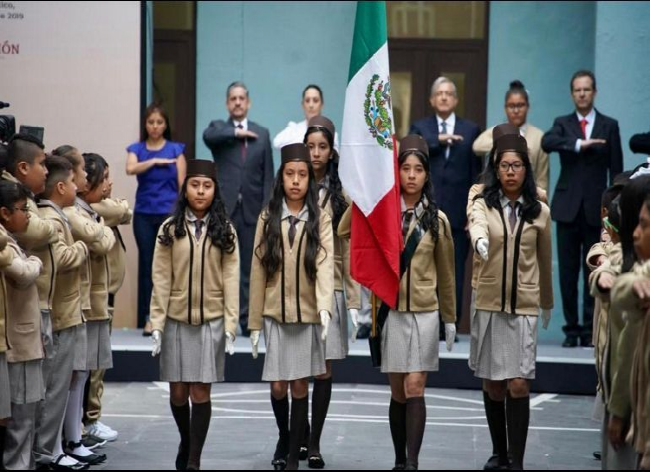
[(20, 437), (365, 313), (46, 332), (624, 459), (57, 373)]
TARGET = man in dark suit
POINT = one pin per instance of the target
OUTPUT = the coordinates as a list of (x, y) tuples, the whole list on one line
[(454, 168), (242, 151), (589, 145)]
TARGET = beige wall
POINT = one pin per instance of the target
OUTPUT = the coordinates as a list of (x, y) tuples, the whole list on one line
[(77, 73)]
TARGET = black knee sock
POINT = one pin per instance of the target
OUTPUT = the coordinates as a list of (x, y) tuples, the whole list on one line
[(201, 414), (320, 403), (495, 412), (299, 408), (518, 414), (397, 419), (416, 418), (281, 412), (182, 417)]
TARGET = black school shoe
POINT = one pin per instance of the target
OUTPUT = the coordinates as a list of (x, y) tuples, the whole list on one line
[(279, 461), (55, 465), (493, 464), (92, 459), (315, 461), (570, 341)]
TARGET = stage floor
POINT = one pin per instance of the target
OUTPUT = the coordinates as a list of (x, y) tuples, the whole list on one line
[(356, 436)]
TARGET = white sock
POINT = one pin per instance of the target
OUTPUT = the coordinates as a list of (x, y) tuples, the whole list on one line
[(82, 451), (66, 460), (73, 413)]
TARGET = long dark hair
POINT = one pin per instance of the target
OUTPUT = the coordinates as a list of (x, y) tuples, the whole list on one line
[(219, 228), (339, 204), (429, 218), (95, 168), (150, 110), (631, 200), (270, 249), (531, 207)]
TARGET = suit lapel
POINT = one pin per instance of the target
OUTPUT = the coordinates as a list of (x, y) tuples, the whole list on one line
[(574, 124), (598, 127)]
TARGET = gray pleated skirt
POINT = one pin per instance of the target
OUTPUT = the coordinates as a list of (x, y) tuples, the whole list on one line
[(5, 389), (100, 355), (337, 344), (80, 348), (503, 346), (410, 342), (293, 351), (26, 381), (193, 354)]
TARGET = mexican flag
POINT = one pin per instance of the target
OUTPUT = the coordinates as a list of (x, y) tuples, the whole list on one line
[(368, 165)]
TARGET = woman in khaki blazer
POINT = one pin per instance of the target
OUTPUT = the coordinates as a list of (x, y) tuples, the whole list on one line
[(319, 138), (511, 231), (291, 295), (516, 107), (410, 335), (195, 304)]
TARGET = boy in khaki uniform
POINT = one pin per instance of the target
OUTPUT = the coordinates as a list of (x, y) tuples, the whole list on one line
[(115, 212), (59, 282)]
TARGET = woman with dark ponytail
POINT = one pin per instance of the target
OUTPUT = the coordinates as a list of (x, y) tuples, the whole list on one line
[(516, 107), (319, 138), (291, 295)]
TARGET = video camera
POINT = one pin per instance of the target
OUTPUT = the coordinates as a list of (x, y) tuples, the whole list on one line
[(8, 127)]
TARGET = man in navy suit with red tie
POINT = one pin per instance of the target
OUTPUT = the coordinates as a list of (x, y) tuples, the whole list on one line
[(589, 145), (242, 151), (454, 168)]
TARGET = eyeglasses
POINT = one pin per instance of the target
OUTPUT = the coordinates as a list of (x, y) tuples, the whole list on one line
[(608, 225), (515, 166), (516, 106)]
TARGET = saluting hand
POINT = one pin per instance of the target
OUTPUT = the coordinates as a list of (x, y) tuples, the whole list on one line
[(245, 134), (642, 291), (354, 317), (587, 143), (230, 343), (156, 337), (255, 340)]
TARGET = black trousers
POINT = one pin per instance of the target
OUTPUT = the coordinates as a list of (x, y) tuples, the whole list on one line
[(246, 240), (145, 229), (461, 247), (574, 240)]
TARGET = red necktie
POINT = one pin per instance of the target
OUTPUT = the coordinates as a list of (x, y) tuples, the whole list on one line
[(583, 125), (243, 145)]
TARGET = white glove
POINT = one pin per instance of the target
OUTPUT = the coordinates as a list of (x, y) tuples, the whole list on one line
[(230, 343), (354, 317), (156, 337), (546, 318), (255, 340), (450, 335), (324, 322), (482, 246)]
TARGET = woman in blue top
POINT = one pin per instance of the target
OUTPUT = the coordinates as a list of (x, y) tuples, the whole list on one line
[(160, 166)]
